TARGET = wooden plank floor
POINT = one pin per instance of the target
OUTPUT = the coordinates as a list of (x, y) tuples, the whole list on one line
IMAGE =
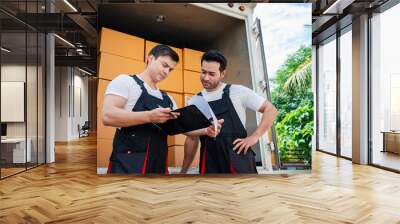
[(70, 191)]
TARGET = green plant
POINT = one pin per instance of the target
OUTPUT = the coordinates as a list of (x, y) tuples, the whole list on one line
[(293, 83), (297, 65), (300, 78), (295, 133), (293, 98), (286, 103)]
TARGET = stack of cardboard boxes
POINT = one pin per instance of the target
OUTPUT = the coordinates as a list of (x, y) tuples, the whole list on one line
[(126, 54), (119, 54)]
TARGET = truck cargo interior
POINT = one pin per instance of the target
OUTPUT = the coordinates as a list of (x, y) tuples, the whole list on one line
[(188, 26)]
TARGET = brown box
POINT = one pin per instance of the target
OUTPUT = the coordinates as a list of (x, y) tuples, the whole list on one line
[(101, 89), (110, 66), (176, 140), (192, 60), (178, 99), (191, 82), (104, 149), (176, 154), (104, 132), (122, 44)]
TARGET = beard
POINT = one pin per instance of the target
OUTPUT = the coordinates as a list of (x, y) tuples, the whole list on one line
[(209, 85)]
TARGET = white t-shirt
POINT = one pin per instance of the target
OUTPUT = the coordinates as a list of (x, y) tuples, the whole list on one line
[(126, 87), (241, 97)]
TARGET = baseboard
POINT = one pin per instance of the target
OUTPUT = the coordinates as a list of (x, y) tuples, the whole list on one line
[(102, 170)]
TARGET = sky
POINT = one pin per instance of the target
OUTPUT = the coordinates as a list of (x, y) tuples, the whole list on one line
[(285, 27)]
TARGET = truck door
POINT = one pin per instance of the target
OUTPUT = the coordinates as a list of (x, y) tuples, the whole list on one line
[(272, 143)]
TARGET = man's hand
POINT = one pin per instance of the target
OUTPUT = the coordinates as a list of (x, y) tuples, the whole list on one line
[(210, 131), (244, 144), (162, 115)]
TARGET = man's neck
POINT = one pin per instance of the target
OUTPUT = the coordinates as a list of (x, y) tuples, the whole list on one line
[(216, 88), (145, 76)]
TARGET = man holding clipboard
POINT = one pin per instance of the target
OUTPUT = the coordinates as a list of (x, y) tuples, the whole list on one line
[(139, 109), (230, 151)]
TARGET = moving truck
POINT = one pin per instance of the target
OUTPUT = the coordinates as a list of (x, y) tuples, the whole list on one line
[(191, 29)]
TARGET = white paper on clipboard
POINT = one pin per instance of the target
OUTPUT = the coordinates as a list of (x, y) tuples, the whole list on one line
[(205, 109)]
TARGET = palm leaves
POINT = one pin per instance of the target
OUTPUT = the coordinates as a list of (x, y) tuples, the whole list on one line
[(300, 78)]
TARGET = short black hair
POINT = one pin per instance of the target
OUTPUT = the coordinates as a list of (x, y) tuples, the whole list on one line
[(216, 56), (164, 50)]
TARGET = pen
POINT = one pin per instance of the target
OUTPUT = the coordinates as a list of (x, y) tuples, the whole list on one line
[(169, 112)]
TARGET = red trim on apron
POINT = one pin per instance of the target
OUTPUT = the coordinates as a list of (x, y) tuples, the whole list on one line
[(145, 159), (232, 169), (166, 163), (109, 167), (203, 163)]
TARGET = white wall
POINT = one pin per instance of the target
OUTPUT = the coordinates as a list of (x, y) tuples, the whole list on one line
[(80, 100), (61, 103), (385, 74), (389, 68), (33, 126), (13, 73), (71, 93)]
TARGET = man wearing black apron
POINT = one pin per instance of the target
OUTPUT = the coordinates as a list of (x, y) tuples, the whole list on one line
[(135, 106), (230, 151)]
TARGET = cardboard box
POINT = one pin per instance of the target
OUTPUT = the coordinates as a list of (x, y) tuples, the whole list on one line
[(110, 66), (104, 132), (101, 89), (104, 149), (178, 99), (176, 155), (191, 82), (192, 60), (121, 44), (176, 140)]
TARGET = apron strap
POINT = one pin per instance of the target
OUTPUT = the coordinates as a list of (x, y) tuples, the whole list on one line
[(226, 91), (167, 98), (140, 83), (235, 117)]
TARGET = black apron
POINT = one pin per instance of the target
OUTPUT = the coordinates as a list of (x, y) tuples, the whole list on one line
[(216, 154), (141, 149)]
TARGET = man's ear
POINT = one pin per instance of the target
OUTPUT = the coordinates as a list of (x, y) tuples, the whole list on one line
[(223, 73), (150, 58)]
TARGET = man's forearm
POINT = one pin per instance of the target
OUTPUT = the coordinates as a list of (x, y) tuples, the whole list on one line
[(267, 120), (190, 149), (198, 132), (117, 117)]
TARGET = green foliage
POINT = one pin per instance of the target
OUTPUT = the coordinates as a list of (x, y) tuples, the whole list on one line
[(301, 77), (295, 134), (288, 99), (292, 64), (286, 103), (293, 98)]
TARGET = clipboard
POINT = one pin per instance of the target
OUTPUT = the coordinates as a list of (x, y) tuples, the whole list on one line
[(190, 119)]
